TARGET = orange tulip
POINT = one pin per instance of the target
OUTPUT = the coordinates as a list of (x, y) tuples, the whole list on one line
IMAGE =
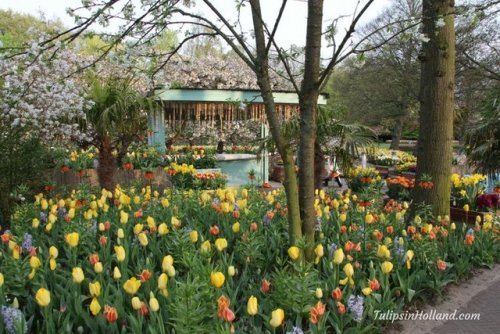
[(316, 312), (337, 294), (110, 313)]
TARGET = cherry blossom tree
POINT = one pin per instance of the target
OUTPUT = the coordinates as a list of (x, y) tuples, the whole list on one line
[(37, 98)]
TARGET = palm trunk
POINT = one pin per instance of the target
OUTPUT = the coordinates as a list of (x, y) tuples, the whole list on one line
[(106, 168), (434, 151)]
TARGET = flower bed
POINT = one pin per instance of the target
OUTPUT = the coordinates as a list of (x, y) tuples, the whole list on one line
[(399, 187), (204, 262)]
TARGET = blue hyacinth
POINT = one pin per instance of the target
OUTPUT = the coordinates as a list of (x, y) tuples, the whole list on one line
[(355, 305), (12, 316), (27, 242)]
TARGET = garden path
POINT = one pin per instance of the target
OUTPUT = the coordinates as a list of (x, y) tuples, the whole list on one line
[(480, 294)]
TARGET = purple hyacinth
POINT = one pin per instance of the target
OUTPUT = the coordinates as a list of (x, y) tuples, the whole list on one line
[(317, 227), (332, 249), (11, 317), (61, 212), (266, 220), (355, 305), (295, 330), (27, 242), (43, 217)]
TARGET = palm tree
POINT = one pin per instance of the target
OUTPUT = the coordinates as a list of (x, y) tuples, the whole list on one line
[(117, 118), (333, 137), (482, 138)]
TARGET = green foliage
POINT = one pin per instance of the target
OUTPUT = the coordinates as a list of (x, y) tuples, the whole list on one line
[(23, 163), (482, 138), (17, 29)]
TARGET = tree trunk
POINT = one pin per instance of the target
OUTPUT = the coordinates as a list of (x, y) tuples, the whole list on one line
[(308, 100), (437, 83), (264, 82), (106, 168), (319, 166), (397, 132)]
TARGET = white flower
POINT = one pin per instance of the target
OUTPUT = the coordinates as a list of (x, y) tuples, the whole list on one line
[(440, 23), (424, 38)]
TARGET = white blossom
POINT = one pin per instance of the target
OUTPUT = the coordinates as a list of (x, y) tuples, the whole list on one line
[(424, 38), (440, 23)]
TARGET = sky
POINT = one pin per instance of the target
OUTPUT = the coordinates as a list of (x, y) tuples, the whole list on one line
[(291, 31)]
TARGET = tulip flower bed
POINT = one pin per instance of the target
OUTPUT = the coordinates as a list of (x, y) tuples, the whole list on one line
[(213, 262)]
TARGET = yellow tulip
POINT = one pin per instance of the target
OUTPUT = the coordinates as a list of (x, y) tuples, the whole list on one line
[(221, 244), (32, 274), (95, 289), (48, 227), (168, 261), (466, 207), (338, 256), (43, 297), (2, 279), (131, 286), (383, 251), (120, 253), (71, 213), (231, 271), (164, 202), (123, 217), (116, 273), (387, 267), (163, 229), (176, 223), (409, 256), (319, 251), (138, 228), (367, 291), (294, 252), (252, 306), (171, 271), (349, 271), (136, 303), (369, 218), (277, 317), (151, 222), (205, 246), (153, 303), (319, 293), (53, 252), (143, 239), (217, 279), (35, 223), (162, 281), (35, 262), (236, 227), (78, 275), (52, 264), (98, 268), (120, 233), (72, 239), (137, 199), (193, 235), (94, 307), (453, 226)]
